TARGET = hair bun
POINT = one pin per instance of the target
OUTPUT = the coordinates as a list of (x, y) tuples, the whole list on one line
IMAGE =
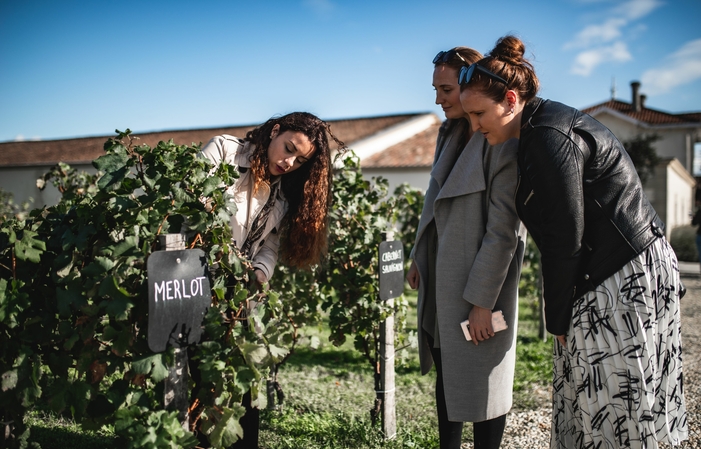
[(509, 49), (507, 60)]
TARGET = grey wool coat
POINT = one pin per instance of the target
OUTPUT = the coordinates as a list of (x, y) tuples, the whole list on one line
[(478, 262)]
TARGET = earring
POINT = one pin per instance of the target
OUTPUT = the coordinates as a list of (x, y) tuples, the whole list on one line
[(512, 111)]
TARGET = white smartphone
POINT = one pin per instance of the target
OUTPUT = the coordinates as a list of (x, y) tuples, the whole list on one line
[(498, 324)]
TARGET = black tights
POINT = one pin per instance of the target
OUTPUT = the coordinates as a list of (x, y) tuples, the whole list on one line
[(250, 422), (487, 434)]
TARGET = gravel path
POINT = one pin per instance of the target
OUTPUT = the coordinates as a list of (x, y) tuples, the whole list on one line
[(530, 429)]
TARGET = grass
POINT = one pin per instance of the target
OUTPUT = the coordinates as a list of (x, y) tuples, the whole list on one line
[(328, 405), (533, 373), (55, 432), (330, 392)]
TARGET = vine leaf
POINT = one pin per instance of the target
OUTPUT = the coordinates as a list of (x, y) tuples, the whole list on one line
[(226, 429), (152, 364), (65, 299), (254, 352), (28, 248), (119, 304)]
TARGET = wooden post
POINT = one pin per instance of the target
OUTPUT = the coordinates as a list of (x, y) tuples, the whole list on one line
[(387, 386), (389, 414), (175, 391)]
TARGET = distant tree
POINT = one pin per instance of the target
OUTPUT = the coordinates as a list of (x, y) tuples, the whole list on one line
[(643, 154)]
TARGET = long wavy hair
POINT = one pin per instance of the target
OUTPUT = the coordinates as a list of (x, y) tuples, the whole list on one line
[(304, 233)]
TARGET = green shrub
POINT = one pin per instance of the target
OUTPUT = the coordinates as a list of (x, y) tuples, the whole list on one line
[(73, 318), (683, 240), (72, 311)]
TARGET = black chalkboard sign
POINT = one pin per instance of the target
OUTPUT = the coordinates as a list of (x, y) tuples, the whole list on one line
[(179, 295), (391, 269)]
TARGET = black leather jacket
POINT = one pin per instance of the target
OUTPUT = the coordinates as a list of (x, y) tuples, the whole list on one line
[(582, 202)]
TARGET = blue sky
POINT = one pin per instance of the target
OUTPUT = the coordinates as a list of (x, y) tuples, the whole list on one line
[(85, 68)]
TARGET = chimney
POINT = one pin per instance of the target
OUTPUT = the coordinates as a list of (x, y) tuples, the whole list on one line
[(635, 86), (642, 101)]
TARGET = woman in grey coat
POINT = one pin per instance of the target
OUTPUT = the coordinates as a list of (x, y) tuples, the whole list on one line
[(466, 264)]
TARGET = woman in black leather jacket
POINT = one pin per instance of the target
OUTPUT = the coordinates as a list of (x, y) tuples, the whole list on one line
[(611, 280)]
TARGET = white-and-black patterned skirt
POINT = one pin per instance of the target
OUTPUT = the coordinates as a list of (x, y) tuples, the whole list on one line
[(619, 382)]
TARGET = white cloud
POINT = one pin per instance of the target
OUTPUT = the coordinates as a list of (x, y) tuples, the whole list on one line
[(21, 138), (595, 34), (637, 31), (587, 60), (637, 9), (612, 29), (323, 7), (681, 67)]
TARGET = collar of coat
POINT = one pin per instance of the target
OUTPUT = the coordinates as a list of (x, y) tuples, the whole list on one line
[(529, 111), (460, 171), (242, 158)]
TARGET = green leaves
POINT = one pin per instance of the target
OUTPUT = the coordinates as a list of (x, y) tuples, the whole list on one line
[(144, 428), (346, 285), (68, 299), (73, 297), (254, 353), (642, 152), (14, 302), (359, 217), (223, 428), (114, 166), (153, 364), (26, 246), (127, 247), (119, 300), (73, 292)]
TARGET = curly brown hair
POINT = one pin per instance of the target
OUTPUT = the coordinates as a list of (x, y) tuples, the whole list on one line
[(304, 233)]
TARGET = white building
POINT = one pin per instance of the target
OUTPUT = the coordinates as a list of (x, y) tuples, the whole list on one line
[(22, 163), (671, 188), (397, 147)]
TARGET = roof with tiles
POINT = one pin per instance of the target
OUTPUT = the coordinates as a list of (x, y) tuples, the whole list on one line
[(86, 149), (691, 116), (415, 152), (646, 115)]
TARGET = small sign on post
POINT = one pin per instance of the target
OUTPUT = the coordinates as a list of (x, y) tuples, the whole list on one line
[(179, 295), (391, 270), (391, 257)]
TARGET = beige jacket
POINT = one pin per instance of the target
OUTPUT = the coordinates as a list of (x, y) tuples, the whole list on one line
[(235, 151)]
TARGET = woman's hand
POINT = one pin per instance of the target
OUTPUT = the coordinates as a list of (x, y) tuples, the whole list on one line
[(480, 324), (562, 339), (261, 278), (412, 276)]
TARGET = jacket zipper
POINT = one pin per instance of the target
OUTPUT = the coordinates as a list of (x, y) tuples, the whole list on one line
[(528, 197)]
